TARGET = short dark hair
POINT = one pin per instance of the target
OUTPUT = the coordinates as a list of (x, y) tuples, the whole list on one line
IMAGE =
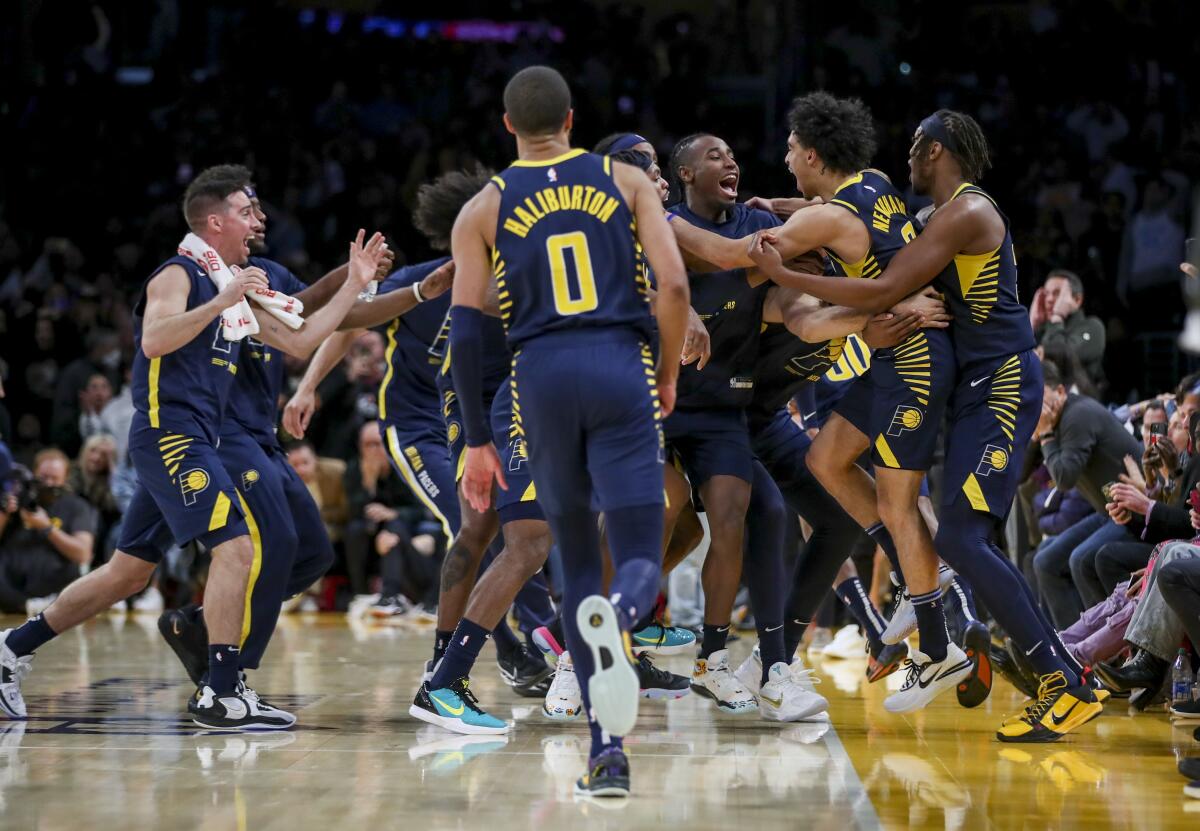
[(1071, 277), (972, 154), (439, 202), (1051, 376), (681, 155), (537, 100), (1155, 406), (841, 130), (211, 187), (299, 444)]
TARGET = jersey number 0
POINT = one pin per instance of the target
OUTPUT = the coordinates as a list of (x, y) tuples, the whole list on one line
[(566, 301)]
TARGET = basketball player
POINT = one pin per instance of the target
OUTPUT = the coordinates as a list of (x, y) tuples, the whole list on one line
[(897, 406), (966, 249), (555, 230), (182, 376), (281, 505)]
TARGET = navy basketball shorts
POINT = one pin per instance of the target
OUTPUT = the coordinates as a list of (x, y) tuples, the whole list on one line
[(858, 403), (993, 412), (593, 427), (184, 493), (520, 500), (912, 384), (421, 454), (782, 447), (710, 443)]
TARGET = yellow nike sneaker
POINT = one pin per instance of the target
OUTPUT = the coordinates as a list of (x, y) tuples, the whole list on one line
[(1058, 710)]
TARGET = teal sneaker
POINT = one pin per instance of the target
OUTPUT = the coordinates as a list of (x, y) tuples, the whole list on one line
[(663, 640), (456, 709)]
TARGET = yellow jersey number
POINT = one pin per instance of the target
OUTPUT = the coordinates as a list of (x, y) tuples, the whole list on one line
[(566, 301)]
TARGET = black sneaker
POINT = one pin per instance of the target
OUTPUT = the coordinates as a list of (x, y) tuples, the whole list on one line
[(1188, 710), (184, 631), (525, 671), (658, 683), (1190, 767), (1003, 663), (977, 644), (884, 658), (234, 712), (608, 775)]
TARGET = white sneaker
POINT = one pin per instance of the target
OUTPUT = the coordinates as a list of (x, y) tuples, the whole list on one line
[(927, 679), (846, 644), (235, 712), (782, 699), (12, 671), (34, 606), (151, 602), (750, 672), (821, 638), (904, 616), (263, 710), (613, 688), (564, 699), (712, 678)]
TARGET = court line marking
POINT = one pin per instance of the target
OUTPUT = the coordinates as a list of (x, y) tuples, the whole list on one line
[(865, 814)]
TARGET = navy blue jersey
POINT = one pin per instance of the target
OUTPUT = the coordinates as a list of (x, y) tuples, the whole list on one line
[(186, 391), (497, 363), (981, 292), (566, 253), (872, 198), (786, 364), (415, 348), (254, 406), (732, 312)]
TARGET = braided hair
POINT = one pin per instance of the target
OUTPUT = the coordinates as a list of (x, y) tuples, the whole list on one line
[(971, 152)]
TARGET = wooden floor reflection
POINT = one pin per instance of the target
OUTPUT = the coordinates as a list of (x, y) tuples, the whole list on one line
[(107, 746)]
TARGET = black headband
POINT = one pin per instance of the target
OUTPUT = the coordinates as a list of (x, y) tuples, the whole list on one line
[(933, 127)]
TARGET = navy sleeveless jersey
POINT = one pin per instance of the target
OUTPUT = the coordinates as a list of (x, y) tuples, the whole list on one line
[(414, 349), (785, 365), (254, 406), (565, 256), (186, 391), (497, 361), (732, 312), (874, 200), (981, 292)]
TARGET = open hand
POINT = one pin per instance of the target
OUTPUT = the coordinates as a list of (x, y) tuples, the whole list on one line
[(890, 329), (299, 412), (438, 282), (365, 259), (697, 344), (482, 467)]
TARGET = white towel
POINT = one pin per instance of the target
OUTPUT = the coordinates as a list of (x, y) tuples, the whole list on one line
[(238, 320)]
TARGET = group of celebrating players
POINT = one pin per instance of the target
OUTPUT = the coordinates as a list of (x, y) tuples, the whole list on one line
[(533, 400)]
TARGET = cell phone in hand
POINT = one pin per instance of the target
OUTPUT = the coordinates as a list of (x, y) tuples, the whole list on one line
[(1107, 490), (1194, 499), (1157, 430), (1192, 251)]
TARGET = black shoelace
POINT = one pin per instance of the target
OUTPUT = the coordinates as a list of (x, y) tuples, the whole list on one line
[(463, 688)]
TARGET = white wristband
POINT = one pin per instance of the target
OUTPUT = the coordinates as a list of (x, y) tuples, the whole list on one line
[(416, 288)]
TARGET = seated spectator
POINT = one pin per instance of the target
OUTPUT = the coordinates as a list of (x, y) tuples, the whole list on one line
[(91, 477), (103, 357), (324, 479), (1060, 324), (1084, 447), (93, 398), (45, 540)]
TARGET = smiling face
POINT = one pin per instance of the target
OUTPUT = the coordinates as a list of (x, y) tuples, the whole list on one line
[(804, 164), (260, 228), (233, 228), (711, 175)]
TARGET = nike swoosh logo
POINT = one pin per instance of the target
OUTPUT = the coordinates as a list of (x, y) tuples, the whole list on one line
[(979, 381), (1032, 649), (945, 672), (175, 628), (773, 628), (1058, 721), (454, 711), (772, 701)]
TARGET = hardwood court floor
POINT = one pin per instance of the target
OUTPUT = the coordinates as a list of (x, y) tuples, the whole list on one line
[(106, 747)]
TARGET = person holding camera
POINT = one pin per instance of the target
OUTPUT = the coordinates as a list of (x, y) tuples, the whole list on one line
[(46, 534)]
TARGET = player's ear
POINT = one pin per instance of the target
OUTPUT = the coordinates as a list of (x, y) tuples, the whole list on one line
[(570, 122), (508, 125)]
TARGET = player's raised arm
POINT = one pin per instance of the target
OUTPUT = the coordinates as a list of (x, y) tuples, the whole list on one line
[(674, 297), (364, 262), (167, 322), (470, 244), (393, 304)]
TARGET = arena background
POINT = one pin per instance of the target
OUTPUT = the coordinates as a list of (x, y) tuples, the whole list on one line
[(343, 109)]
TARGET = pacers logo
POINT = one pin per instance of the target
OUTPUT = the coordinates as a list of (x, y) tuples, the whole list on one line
[(518, 456), (905, 418), (191, 483), (995, 457), (249, 477), (452, 432)]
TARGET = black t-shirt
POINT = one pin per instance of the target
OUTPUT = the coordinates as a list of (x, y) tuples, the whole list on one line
[(70, 513)]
